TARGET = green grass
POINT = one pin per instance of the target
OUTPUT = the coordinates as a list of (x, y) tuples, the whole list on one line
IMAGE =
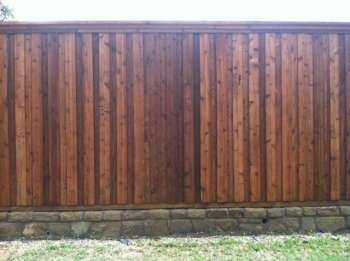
[(223, 247)]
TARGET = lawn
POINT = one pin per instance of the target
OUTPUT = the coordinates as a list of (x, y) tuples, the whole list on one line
[(220, 247)]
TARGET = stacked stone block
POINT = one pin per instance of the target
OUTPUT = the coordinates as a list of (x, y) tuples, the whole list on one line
[(161, 222)]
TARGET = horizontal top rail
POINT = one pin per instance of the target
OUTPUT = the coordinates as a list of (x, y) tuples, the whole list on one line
[(174, 26)]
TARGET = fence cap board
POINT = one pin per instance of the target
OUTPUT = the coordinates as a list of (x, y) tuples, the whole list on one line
[(174, 26)]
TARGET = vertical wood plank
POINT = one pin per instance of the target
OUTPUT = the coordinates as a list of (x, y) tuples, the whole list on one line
[(62, 104), (222, 123), (130, 118), (204, 118), (140, 167), (122, 137), (153, 112), (4, 125), (224, 117), (174, 125), (262, 116), (113, 118), (37, 121), (229, 107), (148, 82), (213, 119), (273, 105), (321, 117), (55, 163), (179, 118), (71, 118), (163, 167), (196, 121), (104, 119), (342, 116), (96, 102), (45, 116), (88, 120), (11, 117), (255, 153), (170, 104), (240, 116), (289, 117), (335, 138), (188, 60), (347, 115), (305, 110), (207, 118), (79, 116), (20, 130), (28, 115), (158, 111)]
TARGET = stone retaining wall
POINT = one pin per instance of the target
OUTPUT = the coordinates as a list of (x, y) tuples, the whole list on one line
[(158, 222)]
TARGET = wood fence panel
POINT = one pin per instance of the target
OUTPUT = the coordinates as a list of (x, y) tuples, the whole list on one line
[(225, 114)]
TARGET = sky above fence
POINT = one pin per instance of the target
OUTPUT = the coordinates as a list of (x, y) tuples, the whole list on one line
[(256, 10)]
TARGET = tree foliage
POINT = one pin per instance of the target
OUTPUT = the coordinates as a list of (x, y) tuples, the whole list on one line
[(5, 11)]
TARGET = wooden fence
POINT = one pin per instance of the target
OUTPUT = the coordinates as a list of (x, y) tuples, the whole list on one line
[(136, 113)]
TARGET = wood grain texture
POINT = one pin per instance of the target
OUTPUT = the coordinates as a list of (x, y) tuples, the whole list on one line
[(71, 119), (347, 114), (37, 124), (53, 118), (188, 68), (4, 117), (20, 115), (305, 110), (174, 124), (240, 117), (290, 141), (67, 120), (321, 117), (273, 109), (88, 120), (153, 111), (104, 120), (62, 108), (173, 117), (255, 151), (208, 118), (28, 94), (224, 118), (122, 149), (140, 140), (11, 117), (335, 116)]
